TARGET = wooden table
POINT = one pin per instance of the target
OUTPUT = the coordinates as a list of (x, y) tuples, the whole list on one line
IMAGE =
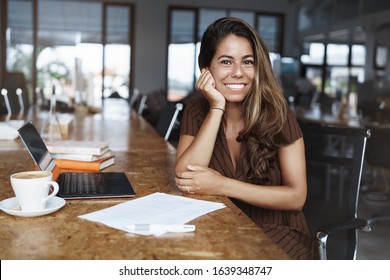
[(147, 160)]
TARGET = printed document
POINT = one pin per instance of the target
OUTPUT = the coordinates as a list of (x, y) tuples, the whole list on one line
[(154, 209)]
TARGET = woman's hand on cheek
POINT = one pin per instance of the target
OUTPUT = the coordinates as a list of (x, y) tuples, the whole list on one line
[(206, 85)]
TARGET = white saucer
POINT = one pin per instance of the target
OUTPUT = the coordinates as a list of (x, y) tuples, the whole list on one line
[(11, 206)]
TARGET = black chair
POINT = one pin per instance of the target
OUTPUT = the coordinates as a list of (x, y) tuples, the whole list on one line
[(375, 112), (156, 101), (138, 102), (168, 119), (334, 163), (378, 162), (133, 97)]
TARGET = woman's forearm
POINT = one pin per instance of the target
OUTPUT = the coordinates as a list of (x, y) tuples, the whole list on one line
[(285, 197), (200, 150)]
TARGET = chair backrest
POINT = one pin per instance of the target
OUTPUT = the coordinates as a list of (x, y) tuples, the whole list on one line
[(168, 119), (155, 103), (375, 112), (133, 97), (378, 147), (334, 163), (3, 105), (138, 102), (12, 82)]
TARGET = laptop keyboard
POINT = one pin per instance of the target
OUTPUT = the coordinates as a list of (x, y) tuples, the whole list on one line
[(81, 184)]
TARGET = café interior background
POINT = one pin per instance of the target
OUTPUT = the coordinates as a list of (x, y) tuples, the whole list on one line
[(97, 48)]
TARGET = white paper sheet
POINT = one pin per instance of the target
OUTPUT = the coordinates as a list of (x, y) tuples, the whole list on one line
[(9, 129), (157, 208)]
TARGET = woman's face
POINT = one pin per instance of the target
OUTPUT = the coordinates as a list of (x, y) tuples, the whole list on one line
[(233, 68)]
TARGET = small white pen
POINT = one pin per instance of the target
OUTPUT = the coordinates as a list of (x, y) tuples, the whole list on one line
[(158, 227)]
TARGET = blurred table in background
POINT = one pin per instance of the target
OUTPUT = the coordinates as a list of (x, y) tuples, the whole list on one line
[(315, 116)]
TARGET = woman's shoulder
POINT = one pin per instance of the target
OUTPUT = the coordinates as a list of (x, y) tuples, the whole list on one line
[(291, 128), (197, 107), (193, 116)]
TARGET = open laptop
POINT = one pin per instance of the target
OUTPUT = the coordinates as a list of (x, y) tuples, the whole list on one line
[(74, 185)]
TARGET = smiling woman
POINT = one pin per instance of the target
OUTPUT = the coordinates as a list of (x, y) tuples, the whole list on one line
[(240, 139)]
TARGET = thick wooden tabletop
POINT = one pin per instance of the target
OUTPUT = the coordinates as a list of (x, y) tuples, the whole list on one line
[(147, 160)]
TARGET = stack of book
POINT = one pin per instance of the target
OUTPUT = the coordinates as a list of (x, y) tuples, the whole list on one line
[(81, 155)]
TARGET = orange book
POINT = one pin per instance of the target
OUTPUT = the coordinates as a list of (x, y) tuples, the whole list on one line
[(65, 164)]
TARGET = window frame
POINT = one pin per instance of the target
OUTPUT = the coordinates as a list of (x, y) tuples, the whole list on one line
[(326, 68)]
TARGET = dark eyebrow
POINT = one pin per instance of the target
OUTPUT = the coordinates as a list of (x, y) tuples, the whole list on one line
[(225, 56), (249, 56), (230, 57)]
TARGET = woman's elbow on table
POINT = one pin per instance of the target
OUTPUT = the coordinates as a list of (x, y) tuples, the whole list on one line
[(299, 201), (179, 168)]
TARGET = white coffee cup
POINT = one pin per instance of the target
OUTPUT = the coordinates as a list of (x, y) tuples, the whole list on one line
[(32, 189)]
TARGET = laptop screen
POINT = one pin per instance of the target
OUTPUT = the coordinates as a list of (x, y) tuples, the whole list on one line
[(36, 147)]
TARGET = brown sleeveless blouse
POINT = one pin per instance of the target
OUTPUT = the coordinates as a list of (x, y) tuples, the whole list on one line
[(286, 228)]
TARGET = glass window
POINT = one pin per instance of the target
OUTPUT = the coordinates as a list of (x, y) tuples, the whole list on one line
[(305, 18), (381, 56), (181, 54), (249, 17), (288, 69), (206, 17), (313, 53), (358, 55), (69, 22), (197, 70), (337, 81), (70, 49), (314, 74), (359, 73), (117, 52), (337, 54), (182, 26), (269, 28), (20, 39)]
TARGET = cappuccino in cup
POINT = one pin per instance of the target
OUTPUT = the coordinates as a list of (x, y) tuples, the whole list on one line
[(32, 189), (31, 175)]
